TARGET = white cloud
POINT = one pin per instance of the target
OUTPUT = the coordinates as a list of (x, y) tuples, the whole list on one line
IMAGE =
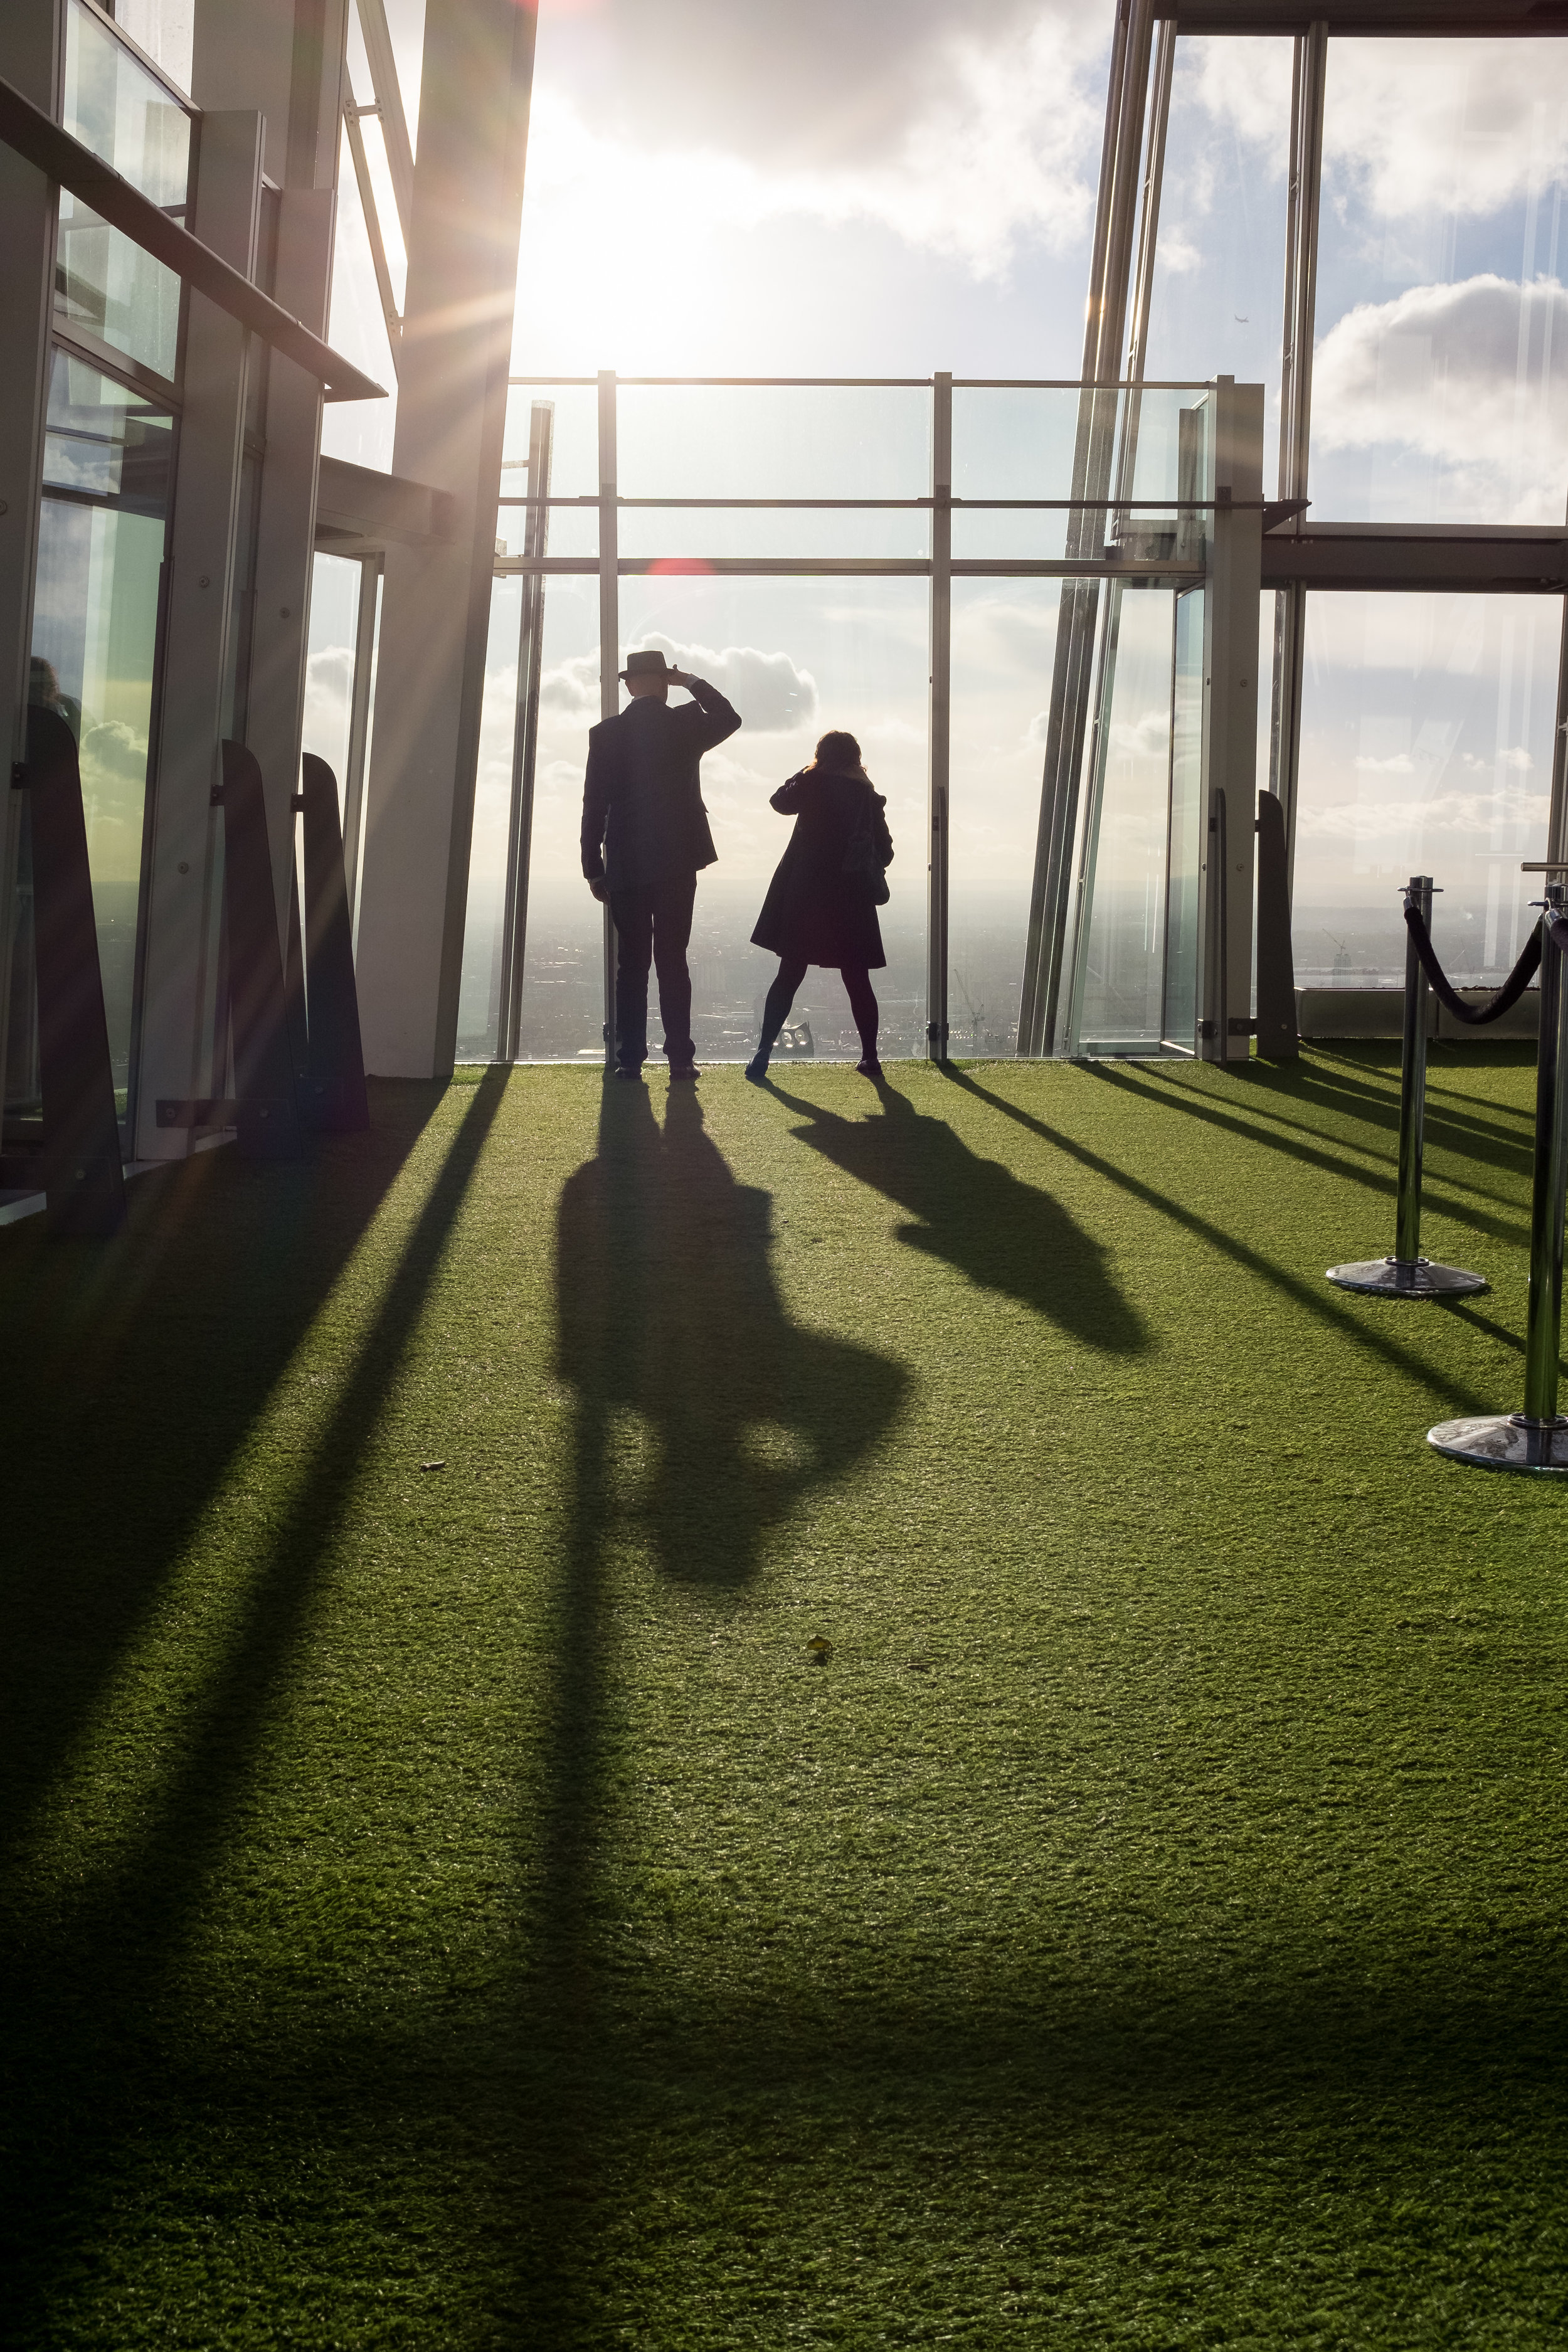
[(1398, 763), (771, 693), (1460, 373), (1145, 738), (773, 696), (963, 131), (1465, 813), (1514, 757), (1410, 127)]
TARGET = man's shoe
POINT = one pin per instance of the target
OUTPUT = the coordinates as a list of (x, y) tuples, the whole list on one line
[(683, 1073), (632, 1076), (868, 1069), (757, 1069)]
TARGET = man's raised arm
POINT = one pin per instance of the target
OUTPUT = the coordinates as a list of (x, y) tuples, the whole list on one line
[(719, 718)]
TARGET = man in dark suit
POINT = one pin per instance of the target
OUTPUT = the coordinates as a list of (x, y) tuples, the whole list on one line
[(644, 836)]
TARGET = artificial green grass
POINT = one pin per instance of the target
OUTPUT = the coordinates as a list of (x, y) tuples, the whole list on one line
[(449, 1906)]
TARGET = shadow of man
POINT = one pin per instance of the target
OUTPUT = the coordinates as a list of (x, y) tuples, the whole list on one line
[(667, 1305), (1002, 1234)]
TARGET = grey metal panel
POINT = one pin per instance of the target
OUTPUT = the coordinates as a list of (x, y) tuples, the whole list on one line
[(30, 132), (1355, 556), (358, 503)]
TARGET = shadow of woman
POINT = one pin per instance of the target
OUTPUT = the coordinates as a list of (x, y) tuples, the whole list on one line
[(1002, 1234), (667, 1305)]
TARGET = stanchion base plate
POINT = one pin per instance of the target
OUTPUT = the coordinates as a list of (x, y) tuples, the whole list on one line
[(1406, 1278), (1505, 1441)]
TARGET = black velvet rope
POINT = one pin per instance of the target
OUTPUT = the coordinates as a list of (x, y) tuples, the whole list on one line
[(1513, 987)]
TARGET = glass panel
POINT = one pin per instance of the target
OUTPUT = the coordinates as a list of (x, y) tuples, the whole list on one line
[(688, 534), (563, 1005), (104, 282), (1438, 381), (106, 486), (166, 29), (1219, 276), (797, 658), (359, 430), (1179, 1017), (790, 441), (1003, 646), (1119, 988), (575, 441), (330, 661), (1426, 729), (1020, 444), (478, 1004)]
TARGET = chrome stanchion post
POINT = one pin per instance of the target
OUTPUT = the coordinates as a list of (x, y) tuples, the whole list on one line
[(1537, 1438), (1408, 1274)]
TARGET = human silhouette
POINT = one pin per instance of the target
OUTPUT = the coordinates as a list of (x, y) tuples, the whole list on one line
[(821, 905), (645, 837)]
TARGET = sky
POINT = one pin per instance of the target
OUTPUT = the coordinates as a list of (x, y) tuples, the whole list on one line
[(718, 186)]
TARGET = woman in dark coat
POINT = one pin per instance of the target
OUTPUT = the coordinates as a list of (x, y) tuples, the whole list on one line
[(821, 905)]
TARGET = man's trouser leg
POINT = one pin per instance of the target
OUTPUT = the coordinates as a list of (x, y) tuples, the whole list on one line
[(673, 899), (633, 913)]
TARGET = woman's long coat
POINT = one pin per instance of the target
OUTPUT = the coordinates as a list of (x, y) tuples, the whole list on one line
[(814, 912)]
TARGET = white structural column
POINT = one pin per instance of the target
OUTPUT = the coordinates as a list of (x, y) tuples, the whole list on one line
[(30, 60), (609, 640), (941, 713), (185, 870), (287, 57), (451, 415), (1230, 721)]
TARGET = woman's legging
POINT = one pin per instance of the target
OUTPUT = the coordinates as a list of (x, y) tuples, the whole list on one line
[(781, 996)]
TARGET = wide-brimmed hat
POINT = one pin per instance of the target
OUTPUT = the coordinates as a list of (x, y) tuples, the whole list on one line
[(651, 664)]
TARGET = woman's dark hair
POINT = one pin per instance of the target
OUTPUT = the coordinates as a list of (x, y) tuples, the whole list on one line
[(838, 750)]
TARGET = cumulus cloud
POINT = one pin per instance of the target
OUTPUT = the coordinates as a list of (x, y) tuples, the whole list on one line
[(1145, 738), (1512, 756), (1457, 371), (772, 695), (1411, 127), (1398, 763), (962, 128)]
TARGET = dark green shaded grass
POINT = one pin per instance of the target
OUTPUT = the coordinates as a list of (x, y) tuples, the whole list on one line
[(449, 1906)]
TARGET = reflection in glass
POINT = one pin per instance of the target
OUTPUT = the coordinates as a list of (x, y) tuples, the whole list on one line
[(335, 581), (1003, 646), (1218, 306), (105, 283), (166, 29), (359, 430), (1442, 318), (1184, 855), (1426, 729), (100, 546), (1120, 989)]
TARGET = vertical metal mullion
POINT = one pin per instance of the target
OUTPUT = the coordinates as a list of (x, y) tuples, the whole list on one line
[(1309, 79), (372, 230), (610, 642), (941, 712), (1557, 820), (359, 724), (525, 735)]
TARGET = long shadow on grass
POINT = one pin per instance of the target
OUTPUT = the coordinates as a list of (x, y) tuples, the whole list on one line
[(667, 1307), (1003, 1234), (133, 1373), (1152, 1084), (1360, 1332), (85, 1993)]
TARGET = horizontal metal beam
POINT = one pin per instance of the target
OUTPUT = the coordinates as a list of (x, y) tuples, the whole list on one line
[(357, 505), (887, 383), (854, 567), (1383, 19), (1459, 561), (31, 132)]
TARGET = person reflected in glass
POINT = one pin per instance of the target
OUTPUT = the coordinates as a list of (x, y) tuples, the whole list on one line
[(645, 837), (822, 903)]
